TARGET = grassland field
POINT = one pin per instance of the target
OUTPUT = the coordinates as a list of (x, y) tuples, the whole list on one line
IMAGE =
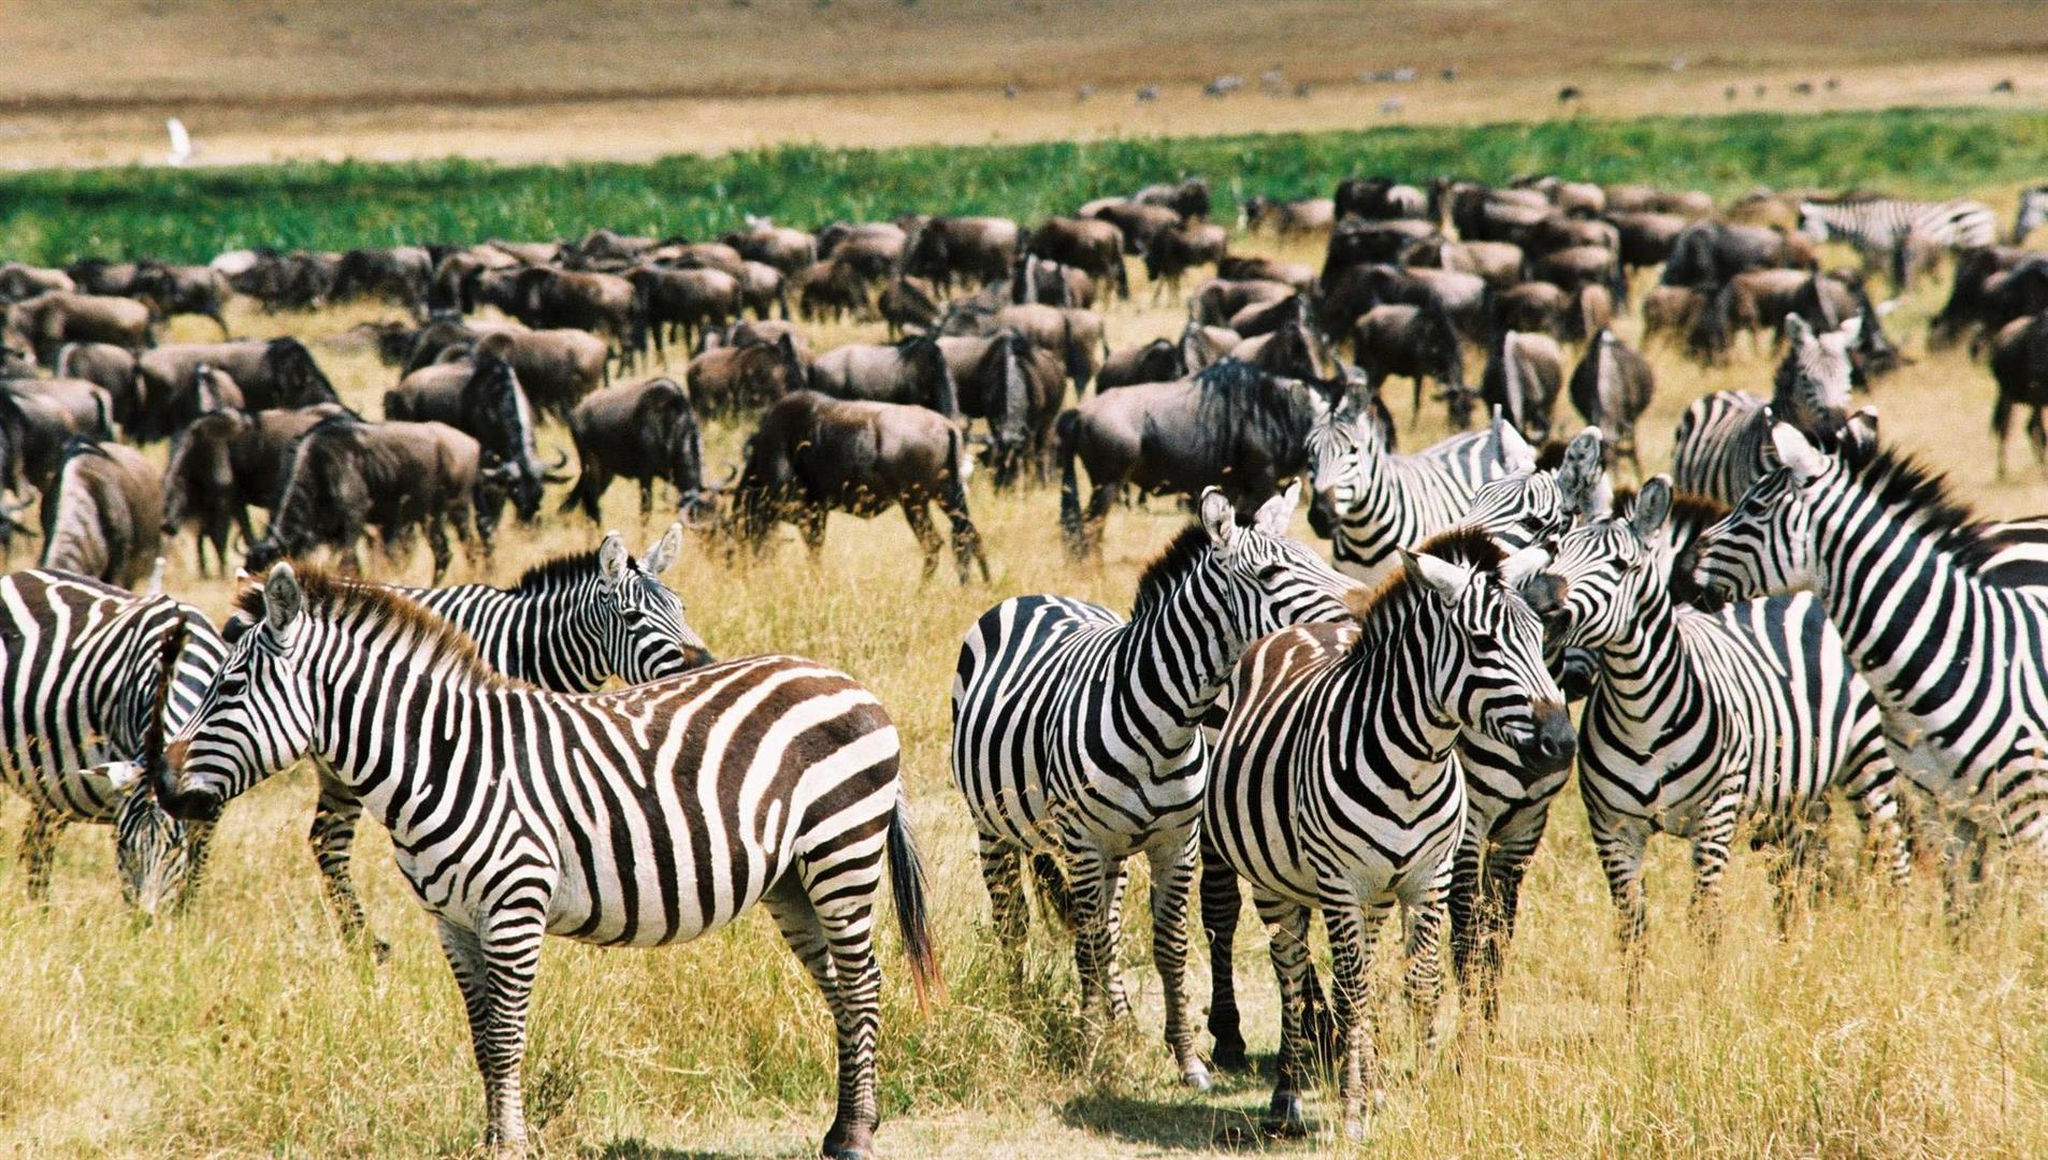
[(244, 1028)]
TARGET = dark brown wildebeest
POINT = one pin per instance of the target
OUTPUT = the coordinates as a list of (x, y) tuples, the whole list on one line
[(1580, 199), (748, 333), (555, 367), (1161, 360), (978, 250), (100, 276), (643, 432), (1259, 268), (1710, 253), (1289, 218), (2019, 365), (113, 368), (1140, 225), (1378, 199), (19, 280), (913, 371), (1580, 266), (1992, 286), (688, 301), (300, 280), (1073, 335), (225, 462), (1188, 197), (1035, 280), (602, 247), (1357, 243), (833, 290), (1230, 425), (1611, 387), (1019, 388), (46, 322), (870, 250), (606, 304), (1524, 373), (482, 399), (1499, 263), (347, 475), (1558, 232), (788, 250), (1690, 204), (1089, 245), (696, 256), (1295, 349), (729, 380), (1533, 307), (400, 275), (38, 417), (908, 303), (1672, 313), (1180, 248), (277, 373), (103, 515), (455, 276), (1646, 238), (173, 290), (1419, 342), (1217, 301), (763, 290), (812, 455)]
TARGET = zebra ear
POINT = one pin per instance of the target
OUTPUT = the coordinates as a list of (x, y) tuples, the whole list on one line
[(282, 599), (1653, 507), (661, 555), (1579, 476), (1275, 514), (611, 557), (1442, 577), (1859, 431), (1516, 456), (1797, 332), (1219, 516), (1797, 453), (1518, 568)]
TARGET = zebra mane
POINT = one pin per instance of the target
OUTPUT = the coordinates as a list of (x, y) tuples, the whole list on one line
[(339, 598), (1895, 479), (568, 565), (1168, 568), (1459, 545)]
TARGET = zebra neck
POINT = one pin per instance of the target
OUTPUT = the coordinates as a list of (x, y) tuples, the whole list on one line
[(1175, 657), (544, 637), (1647, 680), (1371, 529), (1393, 687)]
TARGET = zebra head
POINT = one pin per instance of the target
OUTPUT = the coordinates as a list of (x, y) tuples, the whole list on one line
[(1267, 580), (646, 636), (256, 718), (1344, 448), (1814, 379), (1813, 221), (1765, 545), (1615, 571), (1486, 670), (153, 851), (1529, 508)]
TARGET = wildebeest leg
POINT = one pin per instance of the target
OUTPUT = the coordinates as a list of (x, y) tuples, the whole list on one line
[(220, 320), (2037, 436), (917, 510), (1099, 503), (437, 542), (646, 498), (1415, 412), (2001, 425), (39, 848), (811, 521)]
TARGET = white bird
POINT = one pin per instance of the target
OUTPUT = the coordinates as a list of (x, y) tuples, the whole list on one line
[(181, 142)]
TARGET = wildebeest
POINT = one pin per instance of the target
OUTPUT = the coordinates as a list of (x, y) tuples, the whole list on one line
[(400, 275), (727, 380), (788, 250), (1180, 248), (113, 368), (812, 455), (1646, 238), (278, 373), (46, 322), (487, 404), (1018, 387), (1418, 342), (642, 432), (912, 371), (908, 303), (1035, 280), (1216, 301), (2019, 365), (686, 300), (1524, 373), (1261, 268), (604, 304), (1094, 247), (1188, 197), (1378, 199), (1710, 253), (225, 462), (300, 280), (979, 250), (103, 515), (347, 475), (1992, 286), (1610, 388), (1287, 218), (1139, 224), (38, 419), (19, 280), (173, 290), (1229, 425), (869, 249), (555, 367), (1158, 361), (833, 289)]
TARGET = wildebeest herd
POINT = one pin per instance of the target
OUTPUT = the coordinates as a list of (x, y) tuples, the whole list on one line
[(1797, 613)]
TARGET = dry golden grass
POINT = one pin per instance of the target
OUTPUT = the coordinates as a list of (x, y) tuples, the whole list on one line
[(244, 1028), (521, 80)]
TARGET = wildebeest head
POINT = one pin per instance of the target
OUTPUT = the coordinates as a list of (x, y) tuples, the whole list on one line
[(297, 379), (1006, 395), (941, 393), (495, 410), (199, 478)]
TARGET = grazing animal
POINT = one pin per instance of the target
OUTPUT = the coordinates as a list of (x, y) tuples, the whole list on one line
[(277, 373), (1522, 378), (1289, 218), (1420, 342), (225, 462), (1094, 247), (44, 323), (1230, 425), (913, 371), (1330, 790), (337, 670), (1886, 229), (643, 432), (400, 275), (556, 368), (812, 454), (1902, 570), (1611, 387), (978, 250), (1019, 388), (1076, 736), (173, 290), (1700, 721), (686, 303), (81, 682), (742, 379), (103, 515), (112, 368), (2019, 365), (484, 400), (1155, 362), (1723, 439)]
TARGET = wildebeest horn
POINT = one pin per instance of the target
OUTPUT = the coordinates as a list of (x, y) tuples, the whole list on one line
[(732, 474), (555, 473)]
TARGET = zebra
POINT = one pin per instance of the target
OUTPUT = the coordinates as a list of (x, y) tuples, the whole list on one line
[(1889, 228), (641, 817), (1370, 502), (78, 690), (2031, 215), (1699, 721), (1076, 734), (1330, 787), (1723, 440), (568, 625), (1949, 645)]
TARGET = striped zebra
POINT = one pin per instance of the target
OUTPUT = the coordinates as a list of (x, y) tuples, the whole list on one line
[(641, 817), (1370, 502), (1723, 440), (78, 666), (2031, 215), (1076, 734), (1889, 228), (569, 625), (1951, 648), (1330, 787), (1700, 721)]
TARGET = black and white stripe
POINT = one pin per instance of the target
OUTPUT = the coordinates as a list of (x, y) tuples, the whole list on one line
[(641, 817), (1880, 226), (1076, 733), (1330, 788), (1723, 440), (78, 664), (1698, 722)]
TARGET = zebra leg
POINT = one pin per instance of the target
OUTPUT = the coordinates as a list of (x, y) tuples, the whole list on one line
[(1220, 907), (510, 954), (1352, 930), (1287, 943), (39, 849), (333, 837), (1173, 868), (1469, 920), (1709, 861), (1425, 977), (465, 956), (835, 945), (1002, 871), (1113, 927), (1620, 846), (1093, 877)]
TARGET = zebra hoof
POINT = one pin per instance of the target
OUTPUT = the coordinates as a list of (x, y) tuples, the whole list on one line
[(1284, 1118), (1230, 1056), (1195, 1076)]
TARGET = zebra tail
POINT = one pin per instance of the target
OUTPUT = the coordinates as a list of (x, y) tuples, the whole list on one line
[(1053, 889), (1066, 432), (913, 915)]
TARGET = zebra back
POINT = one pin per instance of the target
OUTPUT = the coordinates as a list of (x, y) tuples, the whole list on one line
[(1370, 501)]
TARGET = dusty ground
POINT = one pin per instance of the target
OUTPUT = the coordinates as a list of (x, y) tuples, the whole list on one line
[(92, 83)]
